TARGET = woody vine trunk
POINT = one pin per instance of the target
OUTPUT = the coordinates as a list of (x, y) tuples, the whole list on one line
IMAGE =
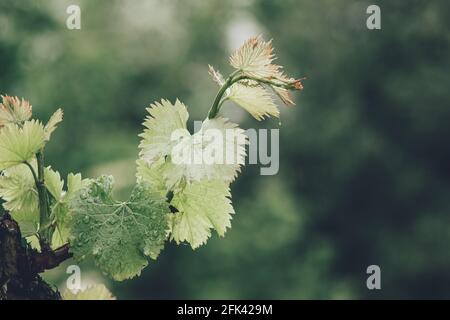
[(20, 265)]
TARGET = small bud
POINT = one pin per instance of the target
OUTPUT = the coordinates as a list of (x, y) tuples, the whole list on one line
[(298, 85)]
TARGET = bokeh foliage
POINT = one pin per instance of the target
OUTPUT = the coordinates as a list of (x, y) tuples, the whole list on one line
[(364, 175)]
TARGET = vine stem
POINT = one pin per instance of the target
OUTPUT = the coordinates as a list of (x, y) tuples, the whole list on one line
[(45, 231), (236, 77), (217, 101), (33, 172)]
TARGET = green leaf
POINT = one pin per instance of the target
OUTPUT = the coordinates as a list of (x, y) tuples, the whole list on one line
[(255, 99), (33, 241), (254, 58), (28, 220), (153, 174), (119, 235), (19, 144), (62, 230), (163, 120), (202, 206), (74, 184), (18, 190), (61, 210), (52, 123), (53, 183), (170, 154), (96, 292), (217, 151)]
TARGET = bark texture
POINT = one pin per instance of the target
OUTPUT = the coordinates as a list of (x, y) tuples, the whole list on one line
[(20, 265)]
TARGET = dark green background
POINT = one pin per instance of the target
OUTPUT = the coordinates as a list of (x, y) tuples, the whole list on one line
[(364, 173)]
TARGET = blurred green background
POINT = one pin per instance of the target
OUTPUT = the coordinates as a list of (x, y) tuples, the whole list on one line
[(364, 156)]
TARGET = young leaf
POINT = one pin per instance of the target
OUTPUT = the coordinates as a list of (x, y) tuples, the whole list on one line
[(216, 75), (202, 206), (17, 189), (33, 241), (284, 94), (60, 209), (54, 120), (74, 184), (28, 221), (251, 96), (119, 235), (19, 144), (53, 183), (14, 111), (163, 120), (216, 151), (254, 58), (62, 218), (96, 292), (255, 99)]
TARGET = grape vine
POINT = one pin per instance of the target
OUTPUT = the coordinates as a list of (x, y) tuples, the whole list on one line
[(174, 199)]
